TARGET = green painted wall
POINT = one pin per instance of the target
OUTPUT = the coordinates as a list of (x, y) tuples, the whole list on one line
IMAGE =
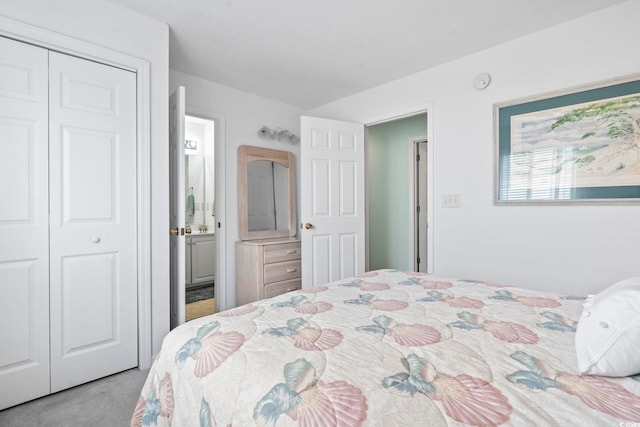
[(389, 180)]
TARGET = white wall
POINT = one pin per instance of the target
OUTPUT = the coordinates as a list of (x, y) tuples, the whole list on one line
[(112, 27), (244, 114), (578, 249)]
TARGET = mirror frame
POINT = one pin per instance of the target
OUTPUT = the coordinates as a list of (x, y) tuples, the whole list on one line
[(246, 155)]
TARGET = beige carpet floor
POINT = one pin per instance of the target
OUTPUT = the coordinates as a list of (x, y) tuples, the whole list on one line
[(108, 402)]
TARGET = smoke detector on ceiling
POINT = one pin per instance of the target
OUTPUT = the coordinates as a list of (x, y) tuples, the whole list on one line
[(481, 81)]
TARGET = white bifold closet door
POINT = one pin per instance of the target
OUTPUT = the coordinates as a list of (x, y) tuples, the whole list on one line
[(93, 265), (68, 267), (24, 223)]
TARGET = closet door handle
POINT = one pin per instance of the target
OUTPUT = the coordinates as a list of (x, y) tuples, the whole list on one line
[(96, 239)]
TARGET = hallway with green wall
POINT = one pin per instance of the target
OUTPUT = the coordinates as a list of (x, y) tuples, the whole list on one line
[(389, 183)]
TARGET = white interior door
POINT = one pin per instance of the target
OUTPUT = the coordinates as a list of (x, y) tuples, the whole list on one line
[(92, 185), (332, 205), (177, 204), (24, 223)]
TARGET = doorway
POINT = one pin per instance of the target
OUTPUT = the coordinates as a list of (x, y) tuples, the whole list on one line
[(196, 218), (200, 217), (328, 145), (391, 194)]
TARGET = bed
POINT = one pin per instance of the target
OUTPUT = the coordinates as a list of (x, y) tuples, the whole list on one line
[(386, 348)]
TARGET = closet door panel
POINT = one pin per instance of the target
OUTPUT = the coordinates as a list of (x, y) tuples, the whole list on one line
[(92, 280), (24, 255), (93, 220), (88, 176)]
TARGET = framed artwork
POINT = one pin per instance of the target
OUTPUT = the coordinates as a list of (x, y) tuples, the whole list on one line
[(580, 145)]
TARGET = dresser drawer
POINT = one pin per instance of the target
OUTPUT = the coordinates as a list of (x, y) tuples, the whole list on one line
[(274, 289), (281, 252), (280, 271), (266, 268)]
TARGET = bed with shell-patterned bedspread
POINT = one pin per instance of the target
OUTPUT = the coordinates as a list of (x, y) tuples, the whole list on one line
[(386, 348)]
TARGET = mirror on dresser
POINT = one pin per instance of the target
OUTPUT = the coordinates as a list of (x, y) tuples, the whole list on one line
[(266, 193), (268, 254)]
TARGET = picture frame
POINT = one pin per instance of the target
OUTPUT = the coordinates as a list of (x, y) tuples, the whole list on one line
[(579, 145)]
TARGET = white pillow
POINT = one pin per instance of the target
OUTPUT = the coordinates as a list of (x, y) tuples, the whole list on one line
[(608, 332)]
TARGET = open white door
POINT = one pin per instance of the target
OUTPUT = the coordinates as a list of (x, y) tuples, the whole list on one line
[(332, 200), (176, 201)]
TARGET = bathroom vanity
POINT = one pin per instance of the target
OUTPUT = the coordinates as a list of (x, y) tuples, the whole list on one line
[(200, 259)]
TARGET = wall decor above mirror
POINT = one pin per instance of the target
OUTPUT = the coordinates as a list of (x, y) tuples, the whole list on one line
[(266, 193)]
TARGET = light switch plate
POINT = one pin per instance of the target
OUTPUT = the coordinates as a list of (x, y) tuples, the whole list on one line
[(451, 200)]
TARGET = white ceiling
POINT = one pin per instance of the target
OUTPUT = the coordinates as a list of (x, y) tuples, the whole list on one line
[(310, 52)]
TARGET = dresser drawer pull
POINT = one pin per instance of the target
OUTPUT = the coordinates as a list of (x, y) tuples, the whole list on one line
[(291, 270), (291, 251)]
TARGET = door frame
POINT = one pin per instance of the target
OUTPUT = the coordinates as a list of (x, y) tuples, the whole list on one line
[(426, 108), (28, 33), (220, 195), (413, 152)]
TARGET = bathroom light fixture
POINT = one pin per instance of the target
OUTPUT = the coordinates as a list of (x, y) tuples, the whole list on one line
[(278, 134)]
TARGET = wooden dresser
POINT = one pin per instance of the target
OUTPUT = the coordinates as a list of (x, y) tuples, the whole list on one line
[(266, 268)]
